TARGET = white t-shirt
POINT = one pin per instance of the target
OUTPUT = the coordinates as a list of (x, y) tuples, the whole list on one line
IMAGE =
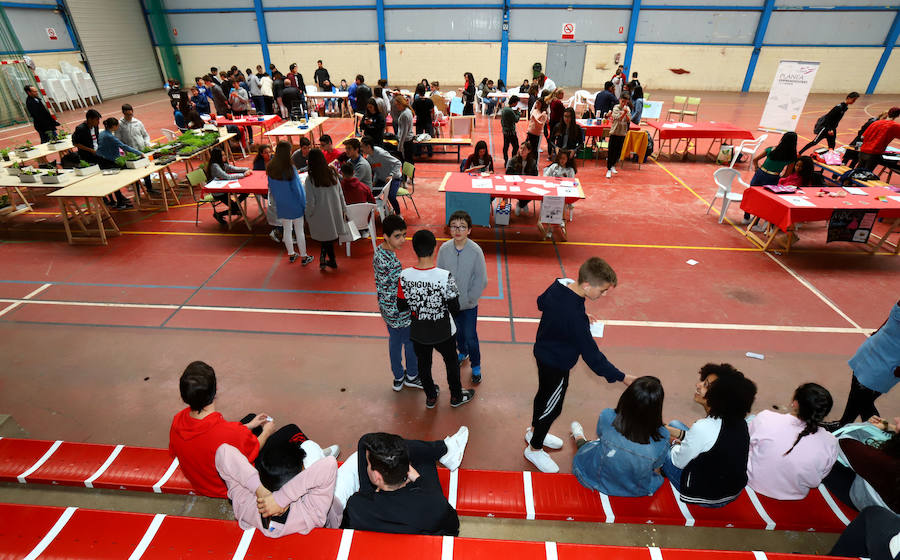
[(701, 437)]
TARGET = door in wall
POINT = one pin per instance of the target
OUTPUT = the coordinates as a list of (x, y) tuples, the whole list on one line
[(565, 63)]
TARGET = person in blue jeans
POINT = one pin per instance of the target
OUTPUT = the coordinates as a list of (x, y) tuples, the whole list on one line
[(631, 445), (387, 276), (465, 261)]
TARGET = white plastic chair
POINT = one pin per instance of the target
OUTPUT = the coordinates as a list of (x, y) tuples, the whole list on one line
[(363, 215), (748, 147), (724, 178), (71, 91), (88, 83), (170, 135), (56, 94)]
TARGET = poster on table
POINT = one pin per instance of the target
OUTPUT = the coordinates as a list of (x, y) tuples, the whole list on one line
[(851, 225), (788, 94), (552, 210)]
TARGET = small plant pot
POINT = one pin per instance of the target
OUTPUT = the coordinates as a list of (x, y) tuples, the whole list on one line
[(28, 178), (14, 171), (54, 179), (85, 171), (6, 157), (24, 153), (138, 163)]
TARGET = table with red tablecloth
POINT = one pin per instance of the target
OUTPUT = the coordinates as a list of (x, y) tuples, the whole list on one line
[(256, 184), (784, 211), (472, 193), (596, 127), (715, 130)]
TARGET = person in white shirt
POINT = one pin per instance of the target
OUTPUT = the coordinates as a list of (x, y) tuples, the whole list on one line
[(547, 84), (255, 92), (132, 133), (267, 90)]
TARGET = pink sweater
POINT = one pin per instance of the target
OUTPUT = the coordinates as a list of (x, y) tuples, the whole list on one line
[(308, 494)]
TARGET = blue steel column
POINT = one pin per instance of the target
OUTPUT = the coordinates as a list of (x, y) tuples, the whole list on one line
[(888, 47), (504, 41), (764, 18), (263, 34), (632, 33), (382, 52)]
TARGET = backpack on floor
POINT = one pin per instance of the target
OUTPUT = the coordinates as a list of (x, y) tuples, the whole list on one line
[(650, 147)]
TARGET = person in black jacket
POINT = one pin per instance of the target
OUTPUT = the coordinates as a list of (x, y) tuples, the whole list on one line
[(44, 122), (399, 490), (826, 125), (605, 101), (86, 136)]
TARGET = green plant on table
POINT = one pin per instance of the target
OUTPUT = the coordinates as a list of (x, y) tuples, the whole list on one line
[(187, 150), (62, 134), (30, 172), (54, 172), (83, 164), (120, 161), (132, 157), (17, 165)]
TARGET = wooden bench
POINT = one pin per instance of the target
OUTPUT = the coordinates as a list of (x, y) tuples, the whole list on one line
[(74, 533), (474, 493), (831, 174)]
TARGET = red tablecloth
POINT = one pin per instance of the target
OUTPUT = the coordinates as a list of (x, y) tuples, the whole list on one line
[(595, 127), (255, 183), (503, 187), (267, 121), (777, 209), (670, 130)]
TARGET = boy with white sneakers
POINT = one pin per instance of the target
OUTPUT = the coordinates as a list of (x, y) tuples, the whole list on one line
[(563, 335)]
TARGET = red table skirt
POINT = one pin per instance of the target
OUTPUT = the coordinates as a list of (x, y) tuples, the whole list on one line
[(256, 183), (775, 209), (700, 130)]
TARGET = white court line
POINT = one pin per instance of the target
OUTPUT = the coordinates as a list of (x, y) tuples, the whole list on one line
[(109, 461), (41, 461), (812, 289), (529, 495), (346, 540), (550, 550), (17, 303), (447, 547), (488, 319), (754, 499), (607, 508), (51, 534), (454, 488), (148, 536), (833, 505), (157, 488), (244, 544)]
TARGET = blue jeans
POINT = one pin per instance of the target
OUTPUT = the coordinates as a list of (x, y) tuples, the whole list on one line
[(467, 335), (399, 342), (669, 469)]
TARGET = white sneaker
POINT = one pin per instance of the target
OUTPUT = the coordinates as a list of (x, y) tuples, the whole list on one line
[(614, 170), (456, 446), (550, 440), (577, 430), (332, 451), (517, 209), (608, 173), (541, 460)]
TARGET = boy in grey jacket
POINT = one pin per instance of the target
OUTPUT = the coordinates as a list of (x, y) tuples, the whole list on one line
[(465, 261)]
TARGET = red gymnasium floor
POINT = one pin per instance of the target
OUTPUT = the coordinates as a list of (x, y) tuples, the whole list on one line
[(94, 338)]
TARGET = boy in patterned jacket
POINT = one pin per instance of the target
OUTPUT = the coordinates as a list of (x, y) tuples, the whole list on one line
[(387, 274), (431, 296)]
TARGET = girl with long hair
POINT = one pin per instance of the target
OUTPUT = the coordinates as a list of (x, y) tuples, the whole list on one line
[(290, 200), (777, 161), (567, 135), (563, 165), (468, 94), (631, 445), (536, 122), (790, 453), (219, 169), (326, 210), (480, 160), (372, 124)]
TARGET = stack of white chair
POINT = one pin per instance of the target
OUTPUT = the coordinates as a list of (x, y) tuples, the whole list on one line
[(82, 82), (53, 88), (68, 86)]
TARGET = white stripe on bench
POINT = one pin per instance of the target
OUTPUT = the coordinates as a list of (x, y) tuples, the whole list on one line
[(51, 534), (109, 461), (157, 488), (770, 524), (833, 505), (655, 553), (244, 544), (529, 495), (447, 547), (454, 488), (344, 550), (148, 536), (759, 555), (607, 508), (688, 518), (40, 461), (550, 548)]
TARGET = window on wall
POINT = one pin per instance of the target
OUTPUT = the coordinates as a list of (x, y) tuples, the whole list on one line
[(697, 26), (31, 27), (234, 27), (472, 24), (828, 28), (531, 24), (322, 26)]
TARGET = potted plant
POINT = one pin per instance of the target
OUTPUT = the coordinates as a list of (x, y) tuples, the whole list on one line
[(4, 153), (62, 137), (29, 175), (15, 169), (134, 161), (84, 168), (22, 150), (53, 176)]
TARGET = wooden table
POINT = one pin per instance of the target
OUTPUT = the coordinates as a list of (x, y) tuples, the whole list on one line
[(831, 173), (40, 151), (458, 143), (460, 193), (14, 187), (783, 212), (293, 128)]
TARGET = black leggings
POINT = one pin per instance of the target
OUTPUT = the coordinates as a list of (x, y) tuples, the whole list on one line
[(614, 151), (510, 140), (548, 401), (860, 402), (869, 535), (822, 134), (447, 350), (327, 254)]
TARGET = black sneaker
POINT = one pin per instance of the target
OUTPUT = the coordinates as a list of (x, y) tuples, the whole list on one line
[(467, 395), (398, 384), (431, 403), (306, 260), (292, 258), (415, 382)]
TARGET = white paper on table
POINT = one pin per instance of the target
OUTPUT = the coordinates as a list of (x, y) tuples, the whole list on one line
[(500, 188), (535, 182), (597, 329), (567, 183), (513, 179), (537, 191), (567, 191), (220, 184), (799, 201), (482, 184), (855, 190), (514, 189), (895, 198)]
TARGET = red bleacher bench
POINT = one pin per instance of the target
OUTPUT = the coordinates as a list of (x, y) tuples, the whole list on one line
[(475, 493), (29, 532)]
